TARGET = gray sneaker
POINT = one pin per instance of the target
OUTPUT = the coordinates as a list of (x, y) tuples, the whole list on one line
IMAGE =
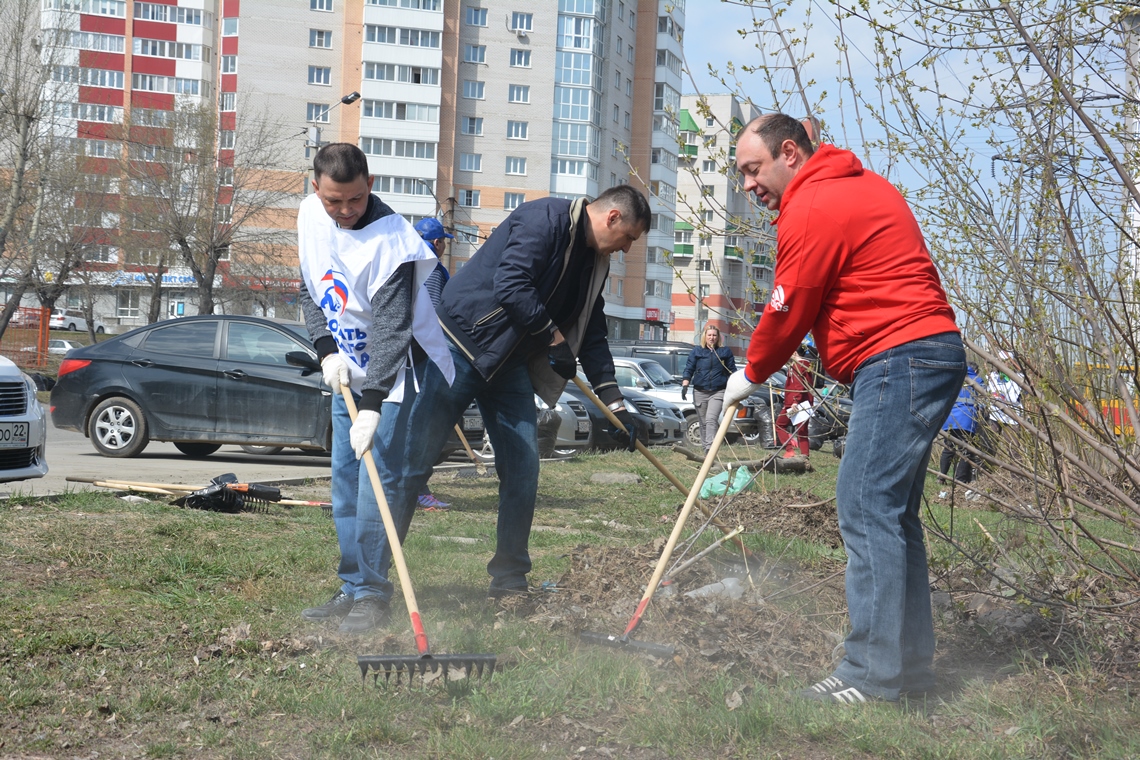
[(367, 612), (337, 607)]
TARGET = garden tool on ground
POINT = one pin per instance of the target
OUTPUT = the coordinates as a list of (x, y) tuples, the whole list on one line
[(624, 641), (423, 663), (254, 494)]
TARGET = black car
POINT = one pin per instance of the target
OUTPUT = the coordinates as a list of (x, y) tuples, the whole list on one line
[(603, 433), (198, 382)]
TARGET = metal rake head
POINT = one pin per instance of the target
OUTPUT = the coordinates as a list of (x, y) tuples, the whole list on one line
[(439, 665)]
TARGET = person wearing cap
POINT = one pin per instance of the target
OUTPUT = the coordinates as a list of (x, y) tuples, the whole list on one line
[(433, 233)]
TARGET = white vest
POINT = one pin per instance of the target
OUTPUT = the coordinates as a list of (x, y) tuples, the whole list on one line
[(343, 270)]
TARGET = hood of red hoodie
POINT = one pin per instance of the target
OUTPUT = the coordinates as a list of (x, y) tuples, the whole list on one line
[(828, 162)]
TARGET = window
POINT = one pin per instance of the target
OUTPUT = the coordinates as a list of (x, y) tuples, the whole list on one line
[(620, 46), (516, 165), (617, 112), (517, 130), (665, 98), (658, 288), (226, 139), (511, 201), (226, 176), (575, 33), (155, 83), (254, 343), (626, 121), (317, 112), (617, 79), (621, 11), (403, 185), (472, 89), (619, 287), (710, 122), (474, 53), (127, 305), (385, 35), (704, 265), (394, 73), (319, 75), (88, 77), (670, 61), (616, 150), (229, 27), (683, 237), (708, 192), (386, 109), (663, 157), (521, 22), (666, 25), (575, 140), (629, 87), (476, 16), (663, 190), (106, 43), (168, 49), (568, 167), (320, 5), (704, 240), (708, 166), (318, 38), (572, 103), (469, 198), (518, 93), (227, 103), (520, 58), (471, 162), (184, 338), (419, 38), (472, 125), (633, 19), (707, 216), (229, 64), (710, 141), (375, 146), (423, 5)]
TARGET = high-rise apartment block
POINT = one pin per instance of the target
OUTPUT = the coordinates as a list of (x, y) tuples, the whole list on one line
[(723, 246), (465, 108)]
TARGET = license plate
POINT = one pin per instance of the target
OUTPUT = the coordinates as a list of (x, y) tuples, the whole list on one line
[(13, 435), (472, 423), (657, 428), (583, 426)]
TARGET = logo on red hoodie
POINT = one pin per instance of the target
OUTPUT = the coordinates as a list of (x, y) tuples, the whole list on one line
[(777, 303)]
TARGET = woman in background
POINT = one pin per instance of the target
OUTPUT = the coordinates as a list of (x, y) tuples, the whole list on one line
[(707, 370)]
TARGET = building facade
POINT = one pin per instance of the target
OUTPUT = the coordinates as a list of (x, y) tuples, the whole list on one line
[(723, 245)]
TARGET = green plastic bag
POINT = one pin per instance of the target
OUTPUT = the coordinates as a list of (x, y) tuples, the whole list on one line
[(717, 485)]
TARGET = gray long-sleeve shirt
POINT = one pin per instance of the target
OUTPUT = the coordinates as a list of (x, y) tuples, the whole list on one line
[(391, 336)]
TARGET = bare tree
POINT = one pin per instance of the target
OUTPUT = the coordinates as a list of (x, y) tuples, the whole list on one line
[(212, 202)]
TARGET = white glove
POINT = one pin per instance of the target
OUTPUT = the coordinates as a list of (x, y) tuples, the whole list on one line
[(739, 387), (335, 372), (362, 432)]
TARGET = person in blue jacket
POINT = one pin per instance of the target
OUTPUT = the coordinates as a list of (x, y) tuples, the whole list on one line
[(707, 370), (961, 426)]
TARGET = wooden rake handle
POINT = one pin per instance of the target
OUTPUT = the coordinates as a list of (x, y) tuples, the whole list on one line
[(659, 571), (660, 466), (393, 535)]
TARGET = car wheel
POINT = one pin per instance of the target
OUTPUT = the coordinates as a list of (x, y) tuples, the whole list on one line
[(99, 330), (71, 327), (196, 450), (265, 451), (693, 431), (117, 428)]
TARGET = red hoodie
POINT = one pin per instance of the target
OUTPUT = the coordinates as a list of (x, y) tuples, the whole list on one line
[(851, 266)]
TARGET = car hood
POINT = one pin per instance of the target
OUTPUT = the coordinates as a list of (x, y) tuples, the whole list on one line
[(9, 371)]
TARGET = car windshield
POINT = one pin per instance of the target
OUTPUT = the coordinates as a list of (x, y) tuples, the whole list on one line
[(656, 373)]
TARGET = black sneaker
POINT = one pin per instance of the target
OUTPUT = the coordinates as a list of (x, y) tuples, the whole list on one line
[(832, 689), (337, 607), (367, 612)]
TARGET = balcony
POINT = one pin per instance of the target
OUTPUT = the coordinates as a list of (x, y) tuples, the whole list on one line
[(733, 253), (682, 249), (762, 260)]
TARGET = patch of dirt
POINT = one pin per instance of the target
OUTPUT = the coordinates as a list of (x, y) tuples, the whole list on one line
[(788, 512)]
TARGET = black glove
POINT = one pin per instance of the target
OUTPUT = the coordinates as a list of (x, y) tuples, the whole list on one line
[(629, 440), (684, 391), (562, 360)]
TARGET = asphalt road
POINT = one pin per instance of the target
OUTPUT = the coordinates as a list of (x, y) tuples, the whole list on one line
[(71, 454)]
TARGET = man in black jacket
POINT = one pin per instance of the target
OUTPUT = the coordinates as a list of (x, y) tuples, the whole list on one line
[(518, 315)]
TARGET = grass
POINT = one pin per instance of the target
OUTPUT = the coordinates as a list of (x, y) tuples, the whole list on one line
[(147, 631)]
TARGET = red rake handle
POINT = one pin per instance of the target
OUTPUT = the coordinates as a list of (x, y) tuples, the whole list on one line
[(659, 571), (393, 536)]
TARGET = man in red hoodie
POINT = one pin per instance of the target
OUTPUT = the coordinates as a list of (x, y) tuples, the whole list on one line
[(852, 267)]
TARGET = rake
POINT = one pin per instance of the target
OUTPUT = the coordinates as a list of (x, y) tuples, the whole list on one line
[(660, 650), (253, 496), (423, 663)]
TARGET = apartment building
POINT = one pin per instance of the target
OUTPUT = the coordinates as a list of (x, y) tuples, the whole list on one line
[(465, 108), (723, 248)]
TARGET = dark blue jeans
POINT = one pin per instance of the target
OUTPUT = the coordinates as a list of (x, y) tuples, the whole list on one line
[(507, 405), (900, 398)]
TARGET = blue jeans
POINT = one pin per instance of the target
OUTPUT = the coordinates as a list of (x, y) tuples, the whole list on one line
[(359, 530), (900, 398), (507, 405)]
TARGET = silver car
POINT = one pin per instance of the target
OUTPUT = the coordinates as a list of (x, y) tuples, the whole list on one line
[(23, 428)]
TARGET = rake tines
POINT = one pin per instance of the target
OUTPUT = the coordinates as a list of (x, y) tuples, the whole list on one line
[(439, 665)]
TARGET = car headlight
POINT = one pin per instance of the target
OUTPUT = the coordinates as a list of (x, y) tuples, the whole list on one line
[(629, 407), (30, 385)]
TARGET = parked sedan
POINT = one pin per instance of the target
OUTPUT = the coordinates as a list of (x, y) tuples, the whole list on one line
[(603, 435), (23, 431), (72, 319), (199, 382)]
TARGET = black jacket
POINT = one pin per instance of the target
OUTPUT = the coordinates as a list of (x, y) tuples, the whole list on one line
[(708, 370), (494, 308)]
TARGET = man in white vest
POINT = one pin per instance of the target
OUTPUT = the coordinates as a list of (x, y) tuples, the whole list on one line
[(372, 323)]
